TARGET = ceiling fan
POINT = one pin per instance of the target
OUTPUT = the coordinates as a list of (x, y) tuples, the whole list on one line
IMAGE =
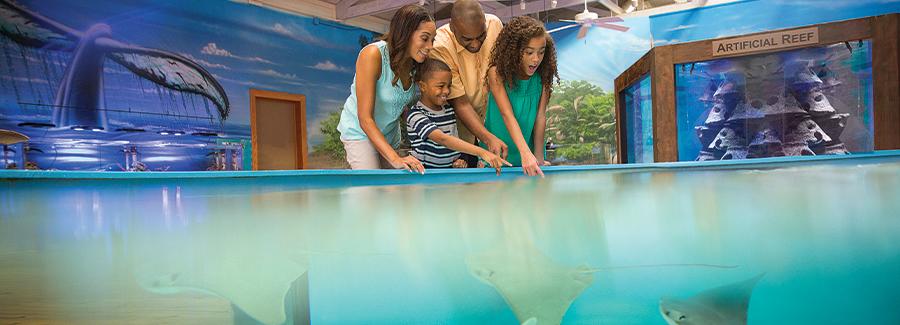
[(586, 19)]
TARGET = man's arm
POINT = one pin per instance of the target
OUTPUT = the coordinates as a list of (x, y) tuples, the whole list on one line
[(464, 110), (466, 113)]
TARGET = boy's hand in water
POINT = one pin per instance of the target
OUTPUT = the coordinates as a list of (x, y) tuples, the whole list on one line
[(530, 165), (459, 163), (494, 160)]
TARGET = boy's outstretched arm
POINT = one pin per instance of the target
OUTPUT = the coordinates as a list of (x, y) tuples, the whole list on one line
[(465, 113), (457, 144)]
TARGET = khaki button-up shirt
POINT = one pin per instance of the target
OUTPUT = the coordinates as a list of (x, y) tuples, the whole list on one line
[(468, 69)]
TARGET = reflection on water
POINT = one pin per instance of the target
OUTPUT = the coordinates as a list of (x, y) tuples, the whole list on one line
[(780, 246)]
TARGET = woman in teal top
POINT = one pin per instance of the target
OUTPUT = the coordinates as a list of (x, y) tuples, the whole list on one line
[(523, 69), (381, 89)]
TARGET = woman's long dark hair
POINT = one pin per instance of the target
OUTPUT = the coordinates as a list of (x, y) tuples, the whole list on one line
[(404, 23)]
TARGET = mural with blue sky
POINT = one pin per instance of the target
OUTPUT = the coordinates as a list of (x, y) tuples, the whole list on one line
[(752, 16), (242, 46), (603, 54)]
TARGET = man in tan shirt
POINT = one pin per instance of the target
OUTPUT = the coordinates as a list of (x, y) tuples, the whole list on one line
[(465, 44)]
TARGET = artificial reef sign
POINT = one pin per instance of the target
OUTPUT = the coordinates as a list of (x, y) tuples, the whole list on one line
[(767, 41)]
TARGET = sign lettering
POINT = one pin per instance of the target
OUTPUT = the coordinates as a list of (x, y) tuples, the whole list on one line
[(768, 41)]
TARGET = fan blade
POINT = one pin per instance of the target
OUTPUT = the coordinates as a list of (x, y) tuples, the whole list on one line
[(608, 20), (562, 28), (613, 27), (583, 31), (569, 21)]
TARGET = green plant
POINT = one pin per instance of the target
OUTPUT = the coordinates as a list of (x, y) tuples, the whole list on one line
[(332, 144), (580, 118)]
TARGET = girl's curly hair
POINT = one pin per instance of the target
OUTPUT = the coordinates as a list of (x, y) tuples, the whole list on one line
[(507, 53)]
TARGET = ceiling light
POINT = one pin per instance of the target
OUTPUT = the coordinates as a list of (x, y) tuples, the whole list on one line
[(631, 6), (553, 4), (522, 5)]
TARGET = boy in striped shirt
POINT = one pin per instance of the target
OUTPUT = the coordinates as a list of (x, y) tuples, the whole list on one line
[(431, 123)]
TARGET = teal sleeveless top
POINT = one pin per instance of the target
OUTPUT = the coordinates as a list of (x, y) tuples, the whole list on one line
[(524, 100), (389, 103)]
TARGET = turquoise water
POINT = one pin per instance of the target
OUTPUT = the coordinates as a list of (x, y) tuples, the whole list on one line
[(578, 247)]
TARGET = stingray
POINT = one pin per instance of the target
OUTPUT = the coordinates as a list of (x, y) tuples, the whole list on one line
[(261, 291), (726, 305), (537, 289), (256, 269)]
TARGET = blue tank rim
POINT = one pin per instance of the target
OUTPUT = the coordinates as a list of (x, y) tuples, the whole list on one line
[(758, 163)]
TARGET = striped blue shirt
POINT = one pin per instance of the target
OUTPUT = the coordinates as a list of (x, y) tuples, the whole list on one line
[(420, 122)]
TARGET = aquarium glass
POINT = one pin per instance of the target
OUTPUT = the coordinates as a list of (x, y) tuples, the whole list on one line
[(811, 242), (638, 122), (810, 101)]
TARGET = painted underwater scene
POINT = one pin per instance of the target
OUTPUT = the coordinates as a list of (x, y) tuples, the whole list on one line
[(809, 101), (780, 245), (91, 101)]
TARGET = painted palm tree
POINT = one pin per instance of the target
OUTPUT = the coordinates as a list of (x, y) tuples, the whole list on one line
[(79, 103)]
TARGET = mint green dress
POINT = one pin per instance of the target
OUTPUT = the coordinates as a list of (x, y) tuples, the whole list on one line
[(524, 99)]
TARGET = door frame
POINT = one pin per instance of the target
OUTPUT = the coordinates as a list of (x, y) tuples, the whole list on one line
[(300, 116)]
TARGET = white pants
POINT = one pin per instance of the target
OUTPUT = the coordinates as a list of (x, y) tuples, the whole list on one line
[(361, 154)]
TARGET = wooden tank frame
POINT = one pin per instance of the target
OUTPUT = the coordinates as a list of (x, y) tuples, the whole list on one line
[(660, 63)]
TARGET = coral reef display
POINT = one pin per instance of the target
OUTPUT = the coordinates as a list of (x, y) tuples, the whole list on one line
[(772, 105)]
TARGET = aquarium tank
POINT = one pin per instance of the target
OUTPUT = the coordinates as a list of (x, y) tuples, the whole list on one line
[(809, 101), (638, 110)]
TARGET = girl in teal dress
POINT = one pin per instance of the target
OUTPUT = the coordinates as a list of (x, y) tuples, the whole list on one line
[(520, 80)]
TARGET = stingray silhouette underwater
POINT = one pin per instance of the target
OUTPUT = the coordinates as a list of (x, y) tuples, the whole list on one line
[(537, 289), (727, 304)]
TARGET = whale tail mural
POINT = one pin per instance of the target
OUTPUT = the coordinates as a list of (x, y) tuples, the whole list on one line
[(79, 100)]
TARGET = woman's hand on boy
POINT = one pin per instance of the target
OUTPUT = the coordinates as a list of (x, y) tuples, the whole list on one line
[(530, 165), (494, 160), (409, 163)]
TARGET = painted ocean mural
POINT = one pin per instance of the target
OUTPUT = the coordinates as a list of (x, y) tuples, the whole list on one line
[(581, 115), (162, 82)]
